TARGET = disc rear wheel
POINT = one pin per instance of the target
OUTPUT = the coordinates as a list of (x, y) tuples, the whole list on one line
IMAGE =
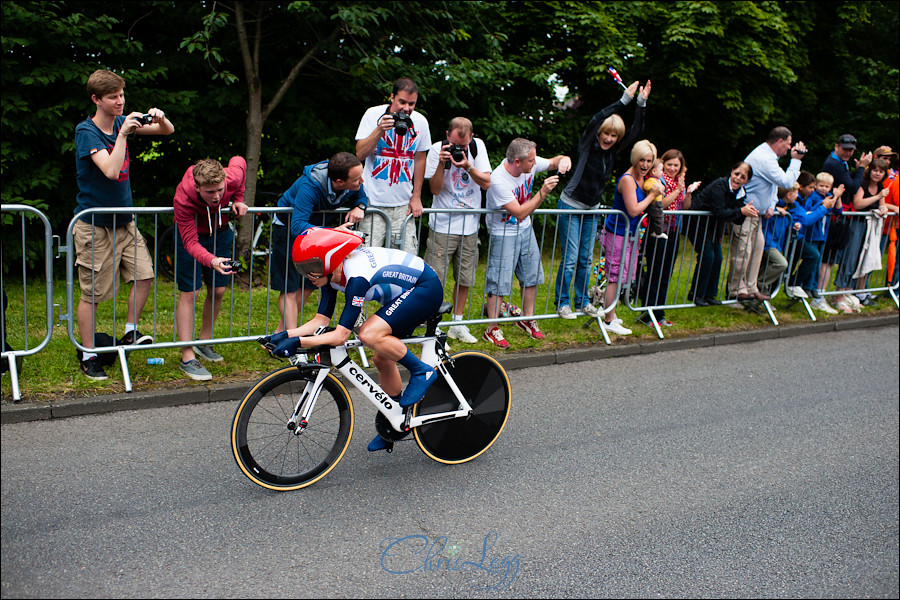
[(484, 383)]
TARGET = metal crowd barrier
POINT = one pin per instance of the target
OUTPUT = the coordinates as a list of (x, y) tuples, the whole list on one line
[(163, 251), (670, 269), (22, 336)]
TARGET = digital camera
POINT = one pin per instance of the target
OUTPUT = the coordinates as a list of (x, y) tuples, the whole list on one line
[(145, 119), (235, 265), (402, 122), (457, 151)]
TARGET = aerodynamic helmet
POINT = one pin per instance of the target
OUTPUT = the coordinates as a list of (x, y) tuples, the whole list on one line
[(321, 250)]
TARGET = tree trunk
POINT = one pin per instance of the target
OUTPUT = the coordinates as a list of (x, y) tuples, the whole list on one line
[(257, 113)]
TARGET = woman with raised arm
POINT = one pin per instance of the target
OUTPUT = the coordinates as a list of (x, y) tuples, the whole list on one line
[(603, 138)]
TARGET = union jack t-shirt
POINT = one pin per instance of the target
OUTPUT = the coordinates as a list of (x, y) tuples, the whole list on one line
[(388, 172)]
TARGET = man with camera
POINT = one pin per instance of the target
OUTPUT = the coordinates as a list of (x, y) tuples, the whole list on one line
[(458, 169), (203, 249), (393, 141), (325, 186), (107, 245)]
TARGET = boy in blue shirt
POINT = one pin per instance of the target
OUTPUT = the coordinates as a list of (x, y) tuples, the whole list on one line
[(801, 284), (817, 233)]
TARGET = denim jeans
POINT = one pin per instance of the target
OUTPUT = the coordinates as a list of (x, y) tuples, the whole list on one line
[(576, 234)]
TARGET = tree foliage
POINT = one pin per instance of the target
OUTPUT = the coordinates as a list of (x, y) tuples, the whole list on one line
[(288, 82)]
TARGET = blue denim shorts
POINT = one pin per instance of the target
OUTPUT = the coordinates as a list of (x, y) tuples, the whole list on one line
[(509, 254), (283, 277), (190, 272)]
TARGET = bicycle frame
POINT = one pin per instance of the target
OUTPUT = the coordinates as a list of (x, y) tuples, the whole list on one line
[(400, 419)]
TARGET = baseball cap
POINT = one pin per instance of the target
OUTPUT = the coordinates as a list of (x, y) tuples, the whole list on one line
[(847, 141)]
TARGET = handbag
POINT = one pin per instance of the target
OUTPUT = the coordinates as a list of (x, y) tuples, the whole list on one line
[(838, 234)]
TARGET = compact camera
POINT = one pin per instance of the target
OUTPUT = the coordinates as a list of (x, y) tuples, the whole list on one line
[(145, 119), (402, 122), (235, 265)]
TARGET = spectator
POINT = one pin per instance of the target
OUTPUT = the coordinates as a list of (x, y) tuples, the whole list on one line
[(869, 197), (630, 199), (394, 153), (817, 234), (806, 256), (324, 186), (513, 246), (602, 139), (837, 165), (458, 169), (659, 254), (107, 245), (890, 241), (654, 211), (775, 230), (747, 241), (204, 236), (725, 199)]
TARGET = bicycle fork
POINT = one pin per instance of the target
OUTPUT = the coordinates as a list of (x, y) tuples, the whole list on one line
[(307, 403)]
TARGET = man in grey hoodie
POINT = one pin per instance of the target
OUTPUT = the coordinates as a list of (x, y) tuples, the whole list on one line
[(325, 186)]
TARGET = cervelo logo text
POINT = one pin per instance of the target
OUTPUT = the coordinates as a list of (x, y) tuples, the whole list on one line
[(380, 396), (396, 303)]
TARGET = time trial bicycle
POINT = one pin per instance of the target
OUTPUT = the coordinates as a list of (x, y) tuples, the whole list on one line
[(294, 425)]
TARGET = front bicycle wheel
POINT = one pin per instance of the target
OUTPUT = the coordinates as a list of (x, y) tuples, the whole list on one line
[(484, 383), (276, 457)]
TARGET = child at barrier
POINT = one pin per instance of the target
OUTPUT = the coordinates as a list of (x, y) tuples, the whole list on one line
[(776, 232), (203, 251), (654, 210), (817, 235), (806, 256), (108, 245)]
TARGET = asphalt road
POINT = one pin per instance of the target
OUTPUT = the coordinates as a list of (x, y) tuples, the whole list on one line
[(767, 469)]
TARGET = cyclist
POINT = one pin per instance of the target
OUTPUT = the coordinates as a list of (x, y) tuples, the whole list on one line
[(409, 290)]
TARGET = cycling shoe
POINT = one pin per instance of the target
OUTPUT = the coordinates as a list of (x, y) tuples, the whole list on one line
[(417, 386), (379, 443)]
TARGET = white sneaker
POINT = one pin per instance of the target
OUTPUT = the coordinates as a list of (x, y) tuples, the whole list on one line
[(617, 327), (565, 312), (461, 333), (796, 292), (821, 304), (589, 310), (853, 302)]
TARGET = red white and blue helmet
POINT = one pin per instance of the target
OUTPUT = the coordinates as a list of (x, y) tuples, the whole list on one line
[(321, 250)]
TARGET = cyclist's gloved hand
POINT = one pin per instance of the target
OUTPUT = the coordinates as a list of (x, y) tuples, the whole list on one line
[(286, 347), (270, 341)]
